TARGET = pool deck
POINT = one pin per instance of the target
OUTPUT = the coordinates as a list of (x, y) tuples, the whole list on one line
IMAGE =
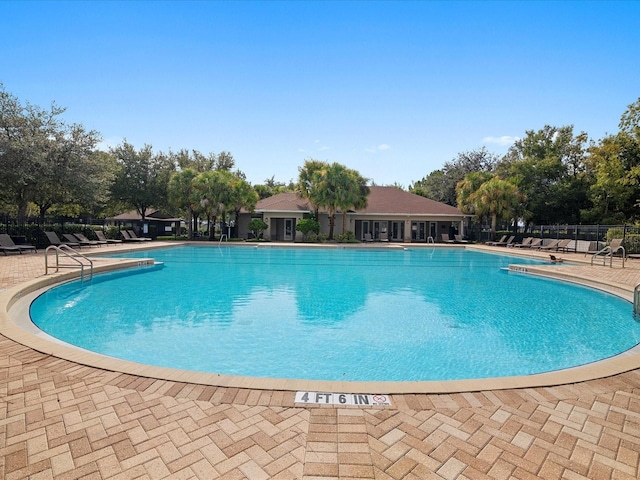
[(63, 419)]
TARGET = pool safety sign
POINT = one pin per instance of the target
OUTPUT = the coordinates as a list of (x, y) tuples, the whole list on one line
[(345, 399)]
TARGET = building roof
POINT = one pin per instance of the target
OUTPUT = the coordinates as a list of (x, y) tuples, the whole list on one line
[(392, 200), (134, 216), (283, 202), (381, 201)]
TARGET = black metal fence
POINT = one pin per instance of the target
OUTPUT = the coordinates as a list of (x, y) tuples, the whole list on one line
[(584, 236), (31, 229)]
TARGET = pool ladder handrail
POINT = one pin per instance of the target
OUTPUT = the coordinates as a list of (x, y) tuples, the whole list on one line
[(608, 252), (69, 253), (223, 235)]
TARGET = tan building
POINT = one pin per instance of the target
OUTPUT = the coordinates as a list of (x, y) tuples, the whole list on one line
[(391, 214)]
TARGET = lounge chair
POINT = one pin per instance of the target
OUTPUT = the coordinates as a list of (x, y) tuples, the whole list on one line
[(367, 237), (617, 246), (594, 247), (508, 243), (70, 238), (526, 243), (550, 246), (85, 241), (109, 241), (132, 234), (502, 240), (8, 245), (563, 245), (384, 237), (446, 239), (459, 239), (55, 240), (535, 243), (128, 238)]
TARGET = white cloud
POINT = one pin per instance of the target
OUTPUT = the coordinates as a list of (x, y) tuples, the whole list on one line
[(314, 148), (380, 148), (503, 140)]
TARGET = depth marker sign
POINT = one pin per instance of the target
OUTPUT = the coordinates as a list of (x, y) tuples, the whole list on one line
[(347, 399)]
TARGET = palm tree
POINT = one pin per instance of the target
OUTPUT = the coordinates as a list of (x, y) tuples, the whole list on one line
[(183, 194), (215, 189), (339, 187), (496, 198), (242, 196), (308, 179), (356, 195), (467, 187)]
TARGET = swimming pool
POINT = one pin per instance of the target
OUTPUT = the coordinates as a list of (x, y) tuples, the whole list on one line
[(338, 314)]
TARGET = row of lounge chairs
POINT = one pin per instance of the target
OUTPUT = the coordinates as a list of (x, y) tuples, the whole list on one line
[(531, 242), (455, 239), (79, 240), (76, 240), (503, 242)]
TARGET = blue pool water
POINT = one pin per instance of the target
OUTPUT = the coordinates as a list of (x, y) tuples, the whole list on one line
[(338, 314)]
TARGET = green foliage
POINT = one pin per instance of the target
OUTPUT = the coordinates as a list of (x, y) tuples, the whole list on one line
[(548, 166), (307, 226), (333, 187), (320, 238), (271, 187), (632, 243), (346, 237), (257, 226), (440, 185), (616, 232), (143, 177), (631, 240), (47, 162), (489, 196)]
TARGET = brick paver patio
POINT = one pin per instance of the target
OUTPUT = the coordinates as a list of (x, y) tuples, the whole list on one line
[(62, 420)]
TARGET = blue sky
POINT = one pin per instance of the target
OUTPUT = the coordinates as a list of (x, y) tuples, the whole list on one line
[(391, 89)]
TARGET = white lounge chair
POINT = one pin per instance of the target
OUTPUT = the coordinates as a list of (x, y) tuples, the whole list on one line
[(446, 239)]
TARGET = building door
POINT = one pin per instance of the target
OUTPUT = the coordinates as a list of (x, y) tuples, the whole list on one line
[(397, 231), (433, 231), (288, 229), (419, 231), (365, 229)]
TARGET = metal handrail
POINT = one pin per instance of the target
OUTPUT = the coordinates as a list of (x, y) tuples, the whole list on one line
[(223, 235), (70, 253), (604, 250), (624, 254), (608, 252)]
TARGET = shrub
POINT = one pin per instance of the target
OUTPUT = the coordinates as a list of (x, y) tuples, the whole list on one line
[(631, 240), (316, 238), (346, 237), (307, 226), (257, 226), (616, 232)]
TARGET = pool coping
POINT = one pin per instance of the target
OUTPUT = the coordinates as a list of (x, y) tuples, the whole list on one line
[(15, 321)]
